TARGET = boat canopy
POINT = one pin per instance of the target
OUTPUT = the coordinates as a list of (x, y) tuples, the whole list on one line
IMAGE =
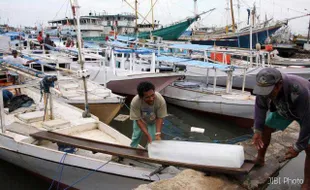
[(123, 38), (137, 51), (170, 59), (90, 44), (118, 44), (182, 61), (191, 47)]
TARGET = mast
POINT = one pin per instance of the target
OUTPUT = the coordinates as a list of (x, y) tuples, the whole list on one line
[(232, 15), (195, 8), (196, 25), (253, 15), (136, 13), (308, 32), (238, 11), (76, 18), (152, 15)]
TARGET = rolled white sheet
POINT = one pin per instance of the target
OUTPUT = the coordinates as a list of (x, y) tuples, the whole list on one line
[(208, 154)]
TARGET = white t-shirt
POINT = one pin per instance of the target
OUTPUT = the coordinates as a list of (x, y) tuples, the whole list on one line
[(17, 60), (140, 110)]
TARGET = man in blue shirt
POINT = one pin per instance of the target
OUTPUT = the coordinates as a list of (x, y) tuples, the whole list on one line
[(287, 98)]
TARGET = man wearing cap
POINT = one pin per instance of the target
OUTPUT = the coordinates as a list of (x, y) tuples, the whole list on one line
[(287, 98)]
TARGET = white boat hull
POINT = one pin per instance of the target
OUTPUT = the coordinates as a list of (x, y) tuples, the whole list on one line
[(238, 106), (50, 170), (43, 157), (201, 75)]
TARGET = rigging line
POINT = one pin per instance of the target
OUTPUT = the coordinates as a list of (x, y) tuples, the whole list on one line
[(288, 8), (67, 8), (243, 1), (60, 9), (183, 7)]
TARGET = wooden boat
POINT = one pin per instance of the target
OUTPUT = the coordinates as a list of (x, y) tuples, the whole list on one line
[(240, 39), (203, 96), (44, 157), (57, 143), (172, 32), (123, 70), (102, 102)]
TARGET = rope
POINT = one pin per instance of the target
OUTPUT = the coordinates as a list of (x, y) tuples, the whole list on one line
[(67, 8), (127, 106), (59, 10), (86, 176), (62, 167), (234, 140), (60, 164)]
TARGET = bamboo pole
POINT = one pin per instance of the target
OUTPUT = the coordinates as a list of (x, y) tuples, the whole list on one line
[(152, 14), (76, 15), (137, 11), (232, 15)]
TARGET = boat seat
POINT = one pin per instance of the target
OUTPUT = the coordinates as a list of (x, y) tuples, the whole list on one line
[(69, 86), (31, 117), (22, 129), (70, 94), (55, 124)]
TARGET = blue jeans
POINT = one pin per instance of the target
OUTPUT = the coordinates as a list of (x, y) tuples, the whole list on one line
[(7, 96)]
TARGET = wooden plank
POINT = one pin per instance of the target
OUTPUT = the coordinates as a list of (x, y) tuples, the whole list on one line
[(133, 153), (259, 176)]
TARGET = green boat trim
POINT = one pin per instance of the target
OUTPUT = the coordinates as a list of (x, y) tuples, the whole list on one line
[(94, 38), (172, 32)]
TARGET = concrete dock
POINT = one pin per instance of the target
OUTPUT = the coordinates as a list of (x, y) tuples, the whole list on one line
[(258, 178)]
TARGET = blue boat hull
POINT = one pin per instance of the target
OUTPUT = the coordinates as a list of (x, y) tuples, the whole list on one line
[(241, 40)]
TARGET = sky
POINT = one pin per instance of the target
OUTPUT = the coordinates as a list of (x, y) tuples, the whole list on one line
[(35, 12)]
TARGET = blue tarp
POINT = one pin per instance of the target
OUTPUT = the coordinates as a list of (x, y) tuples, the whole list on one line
[(171, 59), (138, 51), (14, 34), (191, 46), (209, 65), (187, 33), (88, 44), (123, 38), (182, 61), (118, 44)]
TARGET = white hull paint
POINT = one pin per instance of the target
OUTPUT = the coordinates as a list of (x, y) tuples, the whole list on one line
[(201, 75), (50, 170), (237, 105), (42, 157)]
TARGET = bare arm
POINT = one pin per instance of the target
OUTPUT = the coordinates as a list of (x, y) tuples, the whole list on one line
[(30, 61), (159, 125), (143, 128), (261, 108)]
